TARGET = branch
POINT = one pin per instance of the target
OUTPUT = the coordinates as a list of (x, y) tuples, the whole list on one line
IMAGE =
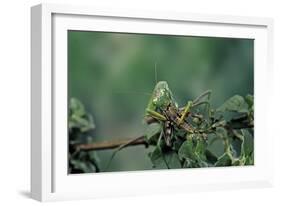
[(238, 123), (112, 144)]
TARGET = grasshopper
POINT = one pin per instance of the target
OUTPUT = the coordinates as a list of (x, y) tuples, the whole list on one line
[(163, 108)]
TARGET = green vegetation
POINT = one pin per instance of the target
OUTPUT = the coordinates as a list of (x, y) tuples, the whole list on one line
[(113, 75), (231, 125)]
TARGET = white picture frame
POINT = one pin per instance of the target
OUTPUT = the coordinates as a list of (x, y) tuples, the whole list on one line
[(49, 178)]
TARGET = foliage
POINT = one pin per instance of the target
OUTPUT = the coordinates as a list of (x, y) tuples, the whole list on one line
[(80, 126), (230, 125), (112, 74)]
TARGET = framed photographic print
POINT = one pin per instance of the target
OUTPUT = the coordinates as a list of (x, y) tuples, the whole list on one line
[(138, 102)]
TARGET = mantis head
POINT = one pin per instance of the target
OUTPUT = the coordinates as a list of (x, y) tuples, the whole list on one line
[(162, 95)]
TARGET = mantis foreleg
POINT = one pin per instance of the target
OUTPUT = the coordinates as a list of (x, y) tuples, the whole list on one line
[(156, 115), (204, 94)]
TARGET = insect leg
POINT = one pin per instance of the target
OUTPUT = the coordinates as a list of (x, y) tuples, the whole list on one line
[(156, 115), (204, 94), (200, 103), (197, 101), (185, 111), (187, 127), (207, 108), (159, 147)]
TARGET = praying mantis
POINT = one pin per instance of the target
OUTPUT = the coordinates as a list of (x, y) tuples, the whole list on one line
[(163, 108)]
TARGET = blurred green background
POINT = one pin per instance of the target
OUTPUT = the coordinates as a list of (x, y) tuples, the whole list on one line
[(112, 74)]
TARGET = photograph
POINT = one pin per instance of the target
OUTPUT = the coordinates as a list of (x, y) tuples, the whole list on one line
[(142, 102)]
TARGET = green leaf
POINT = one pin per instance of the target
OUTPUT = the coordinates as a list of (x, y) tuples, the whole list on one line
[(211, 158), (219, 124), (249, 159), (221, 132), (93, 156), (248, 143), (152, 130), (177, 144), (224, 160), (201, 163), (81, 122), (188, 163), (234, 104), (78, 117), (236, 144), (192, 151), (249, 100), (186, 150), (168, 159), (76, 107), (172, 160), (213, 140), (156, 156), (85, 166), (200, 149), (237, 162)]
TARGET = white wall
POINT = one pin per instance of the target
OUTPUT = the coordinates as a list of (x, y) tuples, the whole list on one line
[(15, 95)]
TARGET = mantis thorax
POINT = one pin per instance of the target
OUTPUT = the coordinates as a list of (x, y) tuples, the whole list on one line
[(162, 96)]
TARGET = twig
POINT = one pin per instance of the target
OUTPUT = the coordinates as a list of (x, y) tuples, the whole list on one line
[(112, 144), (122, 143)]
